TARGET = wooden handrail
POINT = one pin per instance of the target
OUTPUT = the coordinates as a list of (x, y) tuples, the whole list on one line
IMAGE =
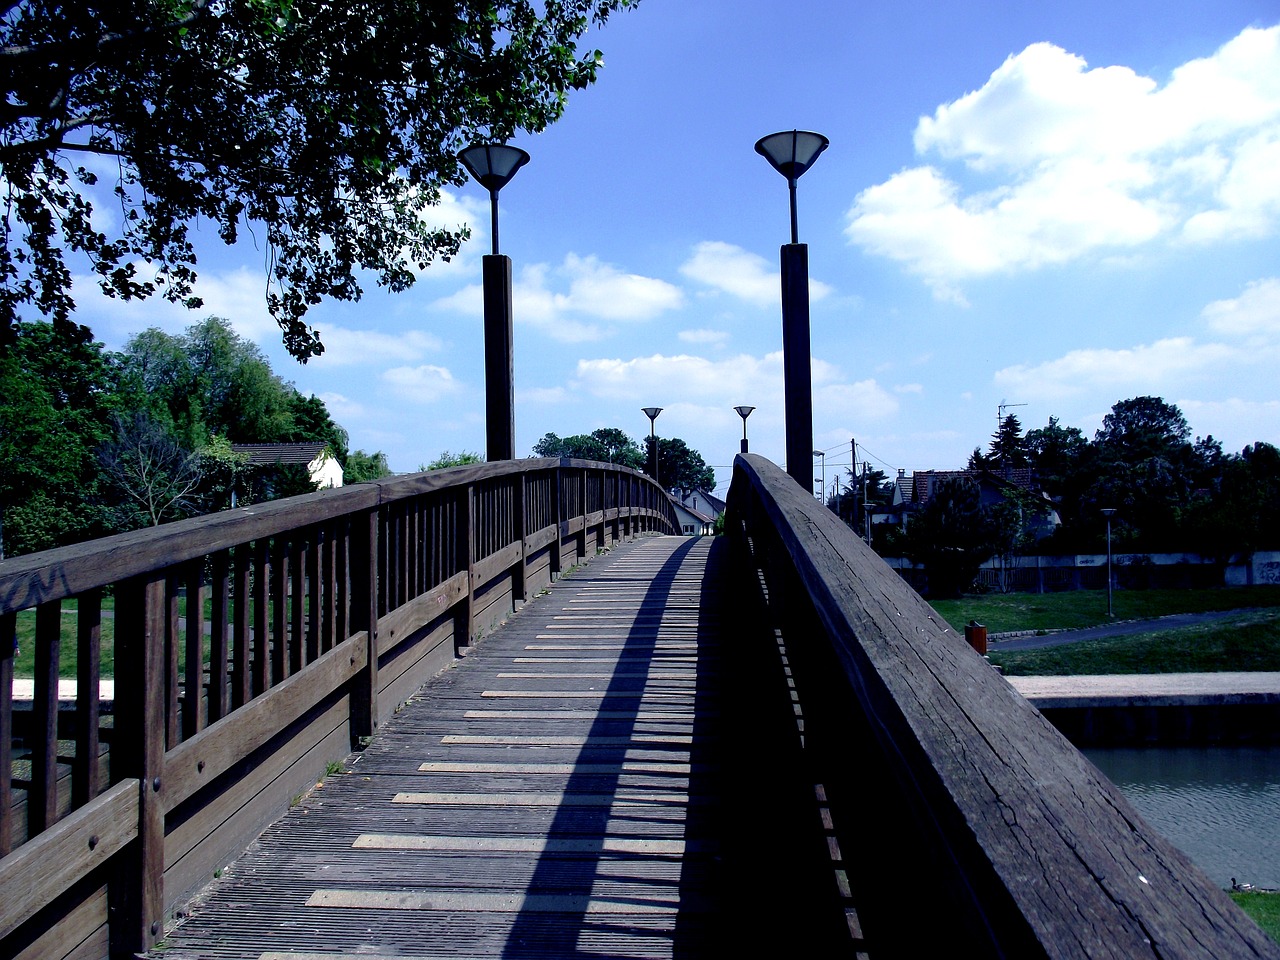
[(308, 599), (976, 827)]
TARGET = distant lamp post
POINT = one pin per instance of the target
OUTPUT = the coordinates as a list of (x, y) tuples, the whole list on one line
[(791, 153), (1109, 512), (493, 165), (744, 412), (822, 496), (652, 414)]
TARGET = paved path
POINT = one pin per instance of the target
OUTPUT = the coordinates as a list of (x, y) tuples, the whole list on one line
[(577, 786), (1123, 628)]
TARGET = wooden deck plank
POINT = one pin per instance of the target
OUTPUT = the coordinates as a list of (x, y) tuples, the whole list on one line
[(529, 803)]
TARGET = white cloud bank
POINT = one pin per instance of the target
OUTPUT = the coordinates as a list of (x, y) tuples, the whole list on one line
[(576, 301), (1084, 161), (741, 274)]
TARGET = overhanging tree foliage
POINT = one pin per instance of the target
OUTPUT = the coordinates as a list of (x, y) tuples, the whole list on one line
[(323, 128)]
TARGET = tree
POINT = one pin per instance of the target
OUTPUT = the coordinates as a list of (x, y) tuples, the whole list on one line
[(951, 535), (329, 127), (681, 468), (1008, 447), (447, 459), (153, 471), (606, 445), (56, 399), (362, 467)]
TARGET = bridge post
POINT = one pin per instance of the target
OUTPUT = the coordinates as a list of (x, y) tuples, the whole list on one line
[(135, 895), (500, 420), (364, 616), (797, 376)]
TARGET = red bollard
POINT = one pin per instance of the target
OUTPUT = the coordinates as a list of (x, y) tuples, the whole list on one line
[(976, 634)]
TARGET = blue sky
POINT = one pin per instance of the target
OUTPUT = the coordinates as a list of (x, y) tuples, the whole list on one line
[(1051, 205)]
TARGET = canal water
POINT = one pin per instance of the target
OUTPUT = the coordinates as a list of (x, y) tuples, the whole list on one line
[(1219, 805)]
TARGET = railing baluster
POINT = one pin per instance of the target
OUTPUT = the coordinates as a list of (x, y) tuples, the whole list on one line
[(42, 801), (172, 646), (364, 553), (220, 595), (136, 887), (241, 683), (280, 610), (193, 693), (8, 637), (261, 617), (300, 588), (84, 770)]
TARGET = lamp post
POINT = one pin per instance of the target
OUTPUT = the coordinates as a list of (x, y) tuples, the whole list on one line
[(822, 497), (1109, 512), (744, 412), (791, 153), (493, 165), (652, 414)]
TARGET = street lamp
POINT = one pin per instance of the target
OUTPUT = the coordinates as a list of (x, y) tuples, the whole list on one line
[(493, 165), (1109, 512), (744, 412), (822, 497), (652, 414), (791, 153)]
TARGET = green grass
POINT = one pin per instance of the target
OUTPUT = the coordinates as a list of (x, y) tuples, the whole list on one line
[(1263, 909), (1249, 641), (1071, 609)]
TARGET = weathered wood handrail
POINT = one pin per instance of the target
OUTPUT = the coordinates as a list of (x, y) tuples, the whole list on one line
[(976, 828), (323, 612)]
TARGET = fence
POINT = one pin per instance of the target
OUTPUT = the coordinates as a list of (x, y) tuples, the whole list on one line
[(249, 648)]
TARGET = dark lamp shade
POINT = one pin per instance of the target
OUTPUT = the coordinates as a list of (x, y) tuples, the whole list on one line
[(651, 412), (792, 152), (743, 412), (493, 164)]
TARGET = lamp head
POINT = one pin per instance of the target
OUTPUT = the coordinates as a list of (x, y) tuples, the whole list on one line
[(743, 412), (493, 164), (820, 453), (792, 152), (651, 412), (1108, 512)]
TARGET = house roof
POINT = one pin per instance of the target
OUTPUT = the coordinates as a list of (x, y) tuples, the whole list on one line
[(270, 453)]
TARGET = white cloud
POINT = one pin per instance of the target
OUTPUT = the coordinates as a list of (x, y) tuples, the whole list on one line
[(420, 385), (909, 388), (723, 383), (717, 337), (1254, 312), (542, 395), (740, 273), (1067, 161), (1142, 369), (591, 295), (344, 347)]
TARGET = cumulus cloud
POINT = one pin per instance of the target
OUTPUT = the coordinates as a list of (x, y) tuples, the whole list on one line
[(577, 301), (346, 347), (1142, 368), (741, 274), (1065, 161), (420, 385), (717, 337), (1256, 312), (722, 383)]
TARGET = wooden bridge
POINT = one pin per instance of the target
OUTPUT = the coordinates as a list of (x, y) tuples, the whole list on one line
[(673, 747)]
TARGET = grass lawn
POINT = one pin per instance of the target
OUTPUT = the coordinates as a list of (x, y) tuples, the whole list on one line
[(1262, 908), (1248, 641), (1071, 609)]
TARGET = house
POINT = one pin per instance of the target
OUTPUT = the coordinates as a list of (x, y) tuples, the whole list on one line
[(702, 501), (911, 493), (693, 523), (321, 464)]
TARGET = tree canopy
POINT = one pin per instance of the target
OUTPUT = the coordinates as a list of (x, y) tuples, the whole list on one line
[(323, 128)]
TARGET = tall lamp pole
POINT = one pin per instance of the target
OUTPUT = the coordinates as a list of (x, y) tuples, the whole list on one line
[(493, 165), (744, 412), (652, 414), (822, 496), (1109, 512), (791, 153)]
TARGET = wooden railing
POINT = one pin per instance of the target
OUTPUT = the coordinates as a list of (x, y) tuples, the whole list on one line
[(964, 824), (248, 649)]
